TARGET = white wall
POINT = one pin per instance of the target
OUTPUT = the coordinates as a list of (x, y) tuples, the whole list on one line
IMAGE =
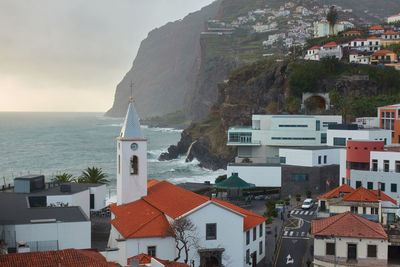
[(229, 233), (165, 247), (342, 171), (253, 246), (391, 156), (363, 134), (80, 199), (264, 176), (341, 247), (69, 234), (99, 196), (309, 158)]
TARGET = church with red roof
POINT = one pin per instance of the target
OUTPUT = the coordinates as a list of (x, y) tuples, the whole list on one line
[(148, 215)]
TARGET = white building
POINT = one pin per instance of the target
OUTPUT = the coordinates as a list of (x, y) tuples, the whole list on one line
[(312, 53), (331, 49), (358, 58), (394, 18), (359, 44), (321, 28), (337, 135), (143, 217), (349, 240), (42, 228), (367, 122)]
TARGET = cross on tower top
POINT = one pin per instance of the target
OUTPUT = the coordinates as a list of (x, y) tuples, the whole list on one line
[(131, 97)]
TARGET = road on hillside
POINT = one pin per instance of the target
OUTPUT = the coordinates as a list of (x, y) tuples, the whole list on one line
[(293, 250)]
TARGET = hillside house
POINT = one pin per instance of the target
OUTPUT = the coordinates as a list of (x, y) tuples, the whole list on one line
[(374, 43), (331, 49), (384, 57), (393, 18), (358, 44), (376, 30), (352, 33), (359, 58), (312, 53)]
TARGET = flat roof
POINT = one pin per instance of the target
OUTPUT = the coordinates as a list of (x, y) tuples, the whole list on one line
[(310, 147), (14, 209), (56, 190), (29, 177), (256, 164)]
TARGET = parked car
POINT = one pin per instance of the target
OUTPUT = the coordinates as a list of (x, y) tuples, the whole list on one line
[(307, 204)]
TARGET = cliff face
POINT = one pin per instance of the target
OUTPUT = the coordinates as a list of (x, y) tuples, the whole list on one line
[(266, 87), (166, 65)]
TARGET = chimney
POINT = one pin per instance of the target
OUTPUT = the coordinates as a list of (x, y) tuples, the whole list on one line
[(379, 190)]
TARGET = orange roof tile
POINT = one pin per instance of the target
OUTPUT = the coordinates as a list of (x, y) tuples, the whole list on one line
[(351, 32), (344, 188), (390, 32), (152, 182), (146, 259), (382, 52), (251, 220), (373, 37), (376, 27), (314, 47), (330, 44), (362, 194), (172, 200), (358, 40), (347, 225), (140, 219), (65, 258)]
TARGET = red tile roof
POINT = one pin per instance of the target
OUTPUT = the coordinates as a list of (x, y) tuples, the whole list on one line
[(358, 40), (347, 225), (373, 37), (65, 258), (344, 188), (382, 52), (390, 32), (376, 27), (146, 259), (330, 44), (152, 182), (145, 217), (362, 194), (140, 219), (351, 32), (314, 47)]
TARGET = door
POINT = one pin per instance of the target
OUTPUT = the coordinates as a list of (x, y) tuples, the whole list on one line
[(323, 207), (351, 252), (254, 259)]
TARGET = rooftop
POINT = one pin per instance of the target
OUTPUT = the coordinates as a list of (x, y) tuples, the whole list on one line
[(348, 225), (56, 190), (362, 194), (146, 259), (15, 210), (338, 192), (310, 147), (65, 258)]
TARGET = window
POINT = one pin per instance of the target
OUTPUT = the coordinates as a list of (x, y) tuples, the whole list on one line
[(370, 185), (339, 141), (254, 233), (91, 201), (354, 209), (358, 184), (325, 159), (397, 166), (261, 230), (364, 210), (386, 166), (211, 231), (330, 249), (393, 188), (299, 177), (260, 247), (319, 159), (151, 251), (383, 187), (282, 160), (134, 165), (371, 251), (248, 256), (317, 125), (240, 137), (248, 237), (323, 138), (391, 218), (374, 210), (374, 165)]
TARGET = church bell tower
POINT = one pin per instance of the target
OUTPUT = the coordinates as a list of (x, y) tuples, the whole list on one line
[(131, 159)]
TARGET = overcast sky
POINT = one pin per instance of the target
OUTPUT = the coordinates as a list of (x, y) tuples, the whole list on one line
[(69, 55)]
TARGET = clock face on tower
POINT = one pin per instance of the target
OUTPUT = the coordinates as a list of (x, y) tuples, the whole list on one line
[(134, 146)]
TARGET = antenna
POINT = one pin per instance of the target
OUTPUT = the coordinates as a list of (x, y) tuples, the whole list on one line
[(131, 86)]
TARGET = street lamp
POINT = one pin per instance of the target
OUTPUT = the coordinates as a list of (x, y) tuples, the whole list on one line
[(334, 259)]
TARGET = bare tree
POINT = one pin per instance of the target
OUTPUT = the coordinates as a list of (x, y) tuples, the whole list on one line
[(185, 237)]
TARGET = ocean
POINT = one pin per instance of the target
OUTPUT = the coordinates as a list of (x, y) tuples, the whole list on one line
[(54, 143)]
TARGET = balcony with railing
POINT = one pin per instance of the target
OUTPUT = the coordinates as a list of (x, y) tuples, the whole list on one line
[(241, 137)]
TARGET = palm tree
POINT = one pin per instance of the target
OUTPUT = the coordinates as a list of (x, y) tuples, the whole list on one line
[(332, 18), (93, 176), (63, 178)]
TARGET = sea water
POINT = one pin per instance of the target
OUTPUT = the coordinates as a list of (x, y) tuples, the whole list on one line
[(54, 143)]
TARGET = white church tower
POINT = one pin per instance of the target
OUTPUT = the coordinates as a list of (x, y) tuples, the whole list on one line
[(131, 160)]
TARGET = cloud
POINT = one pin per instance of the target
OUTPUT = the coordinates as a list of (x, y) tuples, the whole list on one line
[(51, 49)]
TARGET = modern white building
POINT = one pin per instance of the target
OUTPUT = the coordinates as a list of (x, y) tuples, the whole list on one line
[(260, 142), (42, 228), (321, 28), (337, 135), (144, 216), (393, 18)]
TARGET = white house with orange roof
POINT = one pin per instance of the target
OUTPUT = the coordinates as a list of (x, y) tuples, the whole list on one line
[(312, 53), (331, 49), (358, 44), (376, 29), (145, 212), (393, 18), (374, 43)]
